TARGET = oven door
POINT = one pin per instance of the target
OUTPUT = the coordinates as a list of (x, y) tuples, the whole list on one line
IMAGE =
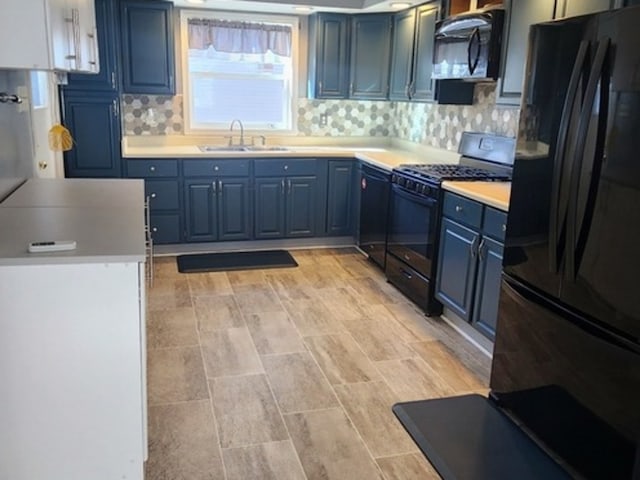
[(412, 229)]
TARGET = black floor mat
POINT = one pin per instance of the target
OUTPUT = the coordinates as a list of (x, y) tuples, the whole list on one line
[(220, 262)]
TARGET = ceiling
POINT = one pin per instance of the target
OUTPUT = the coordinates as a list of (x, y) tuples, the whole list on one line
[(289, 6)]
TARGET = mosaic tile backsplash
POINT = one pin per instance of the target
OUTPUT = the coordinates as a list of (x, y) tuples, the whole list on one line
[(425, 123)]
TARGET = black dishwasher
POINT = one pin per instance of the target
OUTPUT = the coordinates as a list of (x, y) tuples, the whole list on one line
[(374, 205)]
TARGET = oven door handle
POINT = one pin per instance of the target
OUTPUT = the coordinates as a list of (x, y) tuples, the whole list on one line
[(429, 202)]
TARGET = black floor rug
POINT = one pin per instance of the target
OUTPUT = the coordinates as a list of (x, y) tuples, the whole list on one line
[(226, 261)]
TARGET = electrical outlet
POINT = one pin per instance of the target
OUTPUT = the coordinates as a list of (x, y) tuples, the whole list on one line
[(323, 120)]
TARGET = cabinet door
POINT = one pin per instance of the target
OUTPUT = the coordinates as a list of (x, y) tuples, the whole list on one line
[(201, 206), (146, 33), (340, 198), (94, 123), (234, 209), (370, 50), (105, 78), (329, 56), (301, 206), (422, 87), (457, 266), (269, 208), (485, 310), (572, 8), (165, 228), (516, 39), (402, 54)]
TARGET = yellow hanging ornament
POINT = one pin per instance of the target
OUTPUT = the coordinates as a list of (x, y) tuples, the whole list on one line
[(60, 139)]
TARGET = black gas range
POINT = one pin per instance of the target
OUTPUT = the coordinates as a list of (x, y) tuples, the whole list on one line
[(414, 211)]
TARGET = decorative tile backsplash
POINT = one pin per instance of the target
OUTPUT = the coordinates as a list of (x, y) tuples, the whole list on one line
[(424, 123)]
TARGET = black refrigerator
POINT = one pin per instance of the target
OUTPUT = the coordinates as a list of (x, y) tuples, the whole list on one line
[(566, 365)]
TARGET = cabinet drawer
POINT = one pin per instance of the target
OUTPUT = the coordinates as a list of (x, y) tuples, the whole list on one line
[(413, 285), (216, 168), (495, 223), (283, 167), (163, 194), (152, 168), (165, 228), (462, 210)]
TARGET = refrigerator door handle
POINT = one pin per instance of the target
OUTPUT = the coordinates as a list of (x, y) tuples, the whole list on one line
[(559, 159), (596, 76)]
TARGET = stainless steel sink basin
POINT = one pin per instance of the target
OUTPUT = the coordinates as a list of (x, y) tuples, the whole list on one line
[(240, 148)]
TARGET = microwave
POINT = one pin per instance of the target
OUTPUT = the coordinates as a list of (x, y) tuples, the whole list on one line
[(467, 46)]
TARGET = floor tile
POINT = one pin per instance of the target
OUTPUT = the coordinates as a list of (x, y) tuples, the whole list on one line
[(258, 299), (175, 375), (370, 292), (273, 332), (165, 267), (378, 338), (267, 461), (183, 443), (290, 284), (229, 352), (343, 302), (217, 313), (170, 292), (172, 327), (329, 447), (298, 383), (407, 467), (242, 280), (440, 359), (412, 379), (312, 317), (341, 359), (369, 408), (210, 283), (246, 411)]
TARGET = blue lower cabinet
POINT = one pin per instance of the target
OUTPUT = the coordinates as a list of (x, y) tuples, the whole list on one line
[(301, 206), (286, 207), (217, 209), (234, 209), (201, 204), (457, 267), (165, 228), (485, 312), (340, 198), (162, 194), (269, 207)]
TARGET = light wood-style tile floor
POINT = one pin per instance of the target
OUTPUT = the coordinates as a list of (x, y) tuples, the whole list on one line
[(291, 373)]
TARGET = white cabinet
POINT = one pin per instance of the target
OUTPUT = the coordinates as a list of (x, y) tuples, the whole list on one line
[(49, 35)]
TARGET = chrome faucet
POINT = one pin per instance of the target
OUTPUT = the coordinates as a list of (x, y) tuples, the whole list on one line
[(233, 122)]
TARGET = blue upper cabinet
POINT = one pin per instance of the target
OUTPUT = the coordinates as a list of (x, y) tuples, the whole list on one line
[(93, 119), (147, 47), (328, 55), (401, 60), (107, 78), (370, 54)]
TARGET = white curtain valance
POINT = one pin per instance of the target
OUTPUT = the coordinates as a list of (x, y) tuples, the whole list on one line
[(239, 37)]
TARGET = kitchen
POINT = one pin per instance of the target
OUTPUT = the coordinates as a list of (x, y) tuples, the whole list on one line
[(427, 130)]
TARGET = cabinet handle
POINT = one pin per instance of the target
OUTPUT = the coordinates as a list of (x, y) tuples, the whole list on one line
[(154, 229), (289, 187), (113, 80), (283, 188), (320, 86), (412, 89), (458, 208), (472, 248), (94, 50), (351, 89), (406, 274), (116, 114), (214, 186), (504, 227), (220, 186), (286, 167), (152, 168), (153, 195), (481, 250), (407, 91), (216, 168)]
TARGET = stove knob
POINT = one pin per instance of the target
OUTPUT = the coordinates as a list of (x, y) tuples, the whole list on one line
[(424, 189), (401, 181), (394, 178), (409, 184)]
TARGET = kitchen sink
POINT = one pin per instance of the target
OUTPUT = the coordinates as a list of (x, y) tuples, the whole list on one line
[(240, 148)]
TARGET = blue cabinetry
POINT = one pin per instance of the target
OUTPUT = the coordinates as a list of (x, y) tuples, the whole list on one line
[(340, 197), (217, 200), (107, 77), (470, 261), (93, 120), (163, 191), (328, 55), (147, 47), (286, 198), (370, 53)]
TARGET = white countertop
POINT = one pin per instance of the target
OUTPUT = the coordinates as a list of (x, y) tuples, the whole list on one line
[(494, 194), (107, 232)]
